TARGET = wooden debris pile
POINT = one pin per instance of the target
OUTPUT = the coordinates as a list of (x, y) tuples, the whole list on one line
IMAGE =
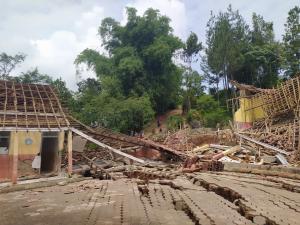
[(280, 127), (283, 135), (244, 153), (187, 139), (179, 140)]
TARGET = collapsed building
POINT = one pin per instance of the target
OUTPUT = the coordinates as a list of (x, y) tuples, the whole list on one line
[(33, 125), (270, 116), (36, 132)]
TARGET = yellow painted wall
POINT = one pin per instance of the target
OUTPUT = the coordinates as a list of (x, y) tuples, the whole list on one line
[(23, 148), (35, 147), (243, 114), (61, 139)]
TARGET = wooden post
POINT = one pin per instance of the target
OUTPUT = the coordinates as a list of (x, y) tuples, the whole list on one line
[(70, 163), (14, 177)]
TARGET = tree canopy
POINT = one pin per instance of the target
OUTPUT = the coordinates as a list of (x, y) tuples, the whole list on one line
[(8, 63), (145, 70), (139, 58), (291, 41)]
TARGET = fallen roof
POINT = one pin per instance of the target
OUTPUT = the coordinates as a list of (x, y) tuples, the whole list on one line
[(249, 88)]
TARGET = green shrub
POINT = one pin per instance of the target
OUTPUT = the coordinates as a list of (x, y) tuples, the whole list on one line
[(127, 115), (174, 122), (193, 114), (208, 112)]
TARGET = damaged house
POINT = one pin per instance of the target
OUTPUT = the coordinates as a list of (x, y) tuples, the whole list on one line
[(32, 130), (270, 116)]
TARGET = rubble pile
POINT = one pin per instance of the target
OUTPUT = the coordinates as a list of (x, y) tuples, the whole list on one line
[(267, 120), (223, 146), (187, 139), (280, 133), (265, 132), (179, 141), (93, 153)]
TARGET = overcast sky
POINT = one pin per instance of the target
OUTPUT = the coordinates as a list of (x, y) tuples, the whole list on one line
[(53, 32)]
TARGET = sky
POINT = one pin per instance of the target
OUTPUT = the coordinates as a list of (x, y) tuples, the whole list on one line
[(51, 33)]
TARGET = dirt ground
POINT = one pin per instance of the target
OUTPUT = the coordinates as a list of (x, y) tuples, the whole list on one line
[(198, 198)]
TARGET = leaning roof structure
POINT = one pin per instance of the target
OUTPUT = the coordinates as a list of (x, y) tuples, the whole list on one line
[(30, 106), (249, 88)]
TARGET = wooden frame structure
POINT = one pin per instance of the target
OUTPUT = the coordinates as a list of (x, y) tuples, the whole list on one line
[(27, 106), (281, 105), (36, 108), (31, 108)]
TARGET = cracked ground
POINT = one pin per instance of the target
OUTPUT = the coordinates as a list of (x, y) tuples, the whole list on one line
[(198, 198)]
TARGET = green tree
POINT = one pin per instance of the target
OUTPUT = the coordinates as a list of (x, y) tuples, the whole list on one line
[(236, 52), (211, 113), (191, 49), (64, 94), (191, 80), (291, 40), (120, 114), (261, 57), (262, 32), (139, 59), (34, 76), (9, 63), (226, 36)]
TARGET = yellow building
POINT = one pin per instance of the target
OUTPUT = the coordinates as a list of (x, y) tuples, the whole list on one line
[(32, 130), (250, 106)]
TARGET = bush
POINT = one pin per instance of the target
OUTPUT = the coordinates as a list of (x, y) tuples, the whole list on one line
[(209, 112), (174, 122), (194, 118), (193, 115), (126, 116)]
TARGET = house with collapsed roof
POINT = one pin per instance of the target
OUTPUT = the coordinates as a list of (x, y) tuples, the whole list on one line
[(270, 116), (33, 127), (248, 106), (35, 132), (255, 104)]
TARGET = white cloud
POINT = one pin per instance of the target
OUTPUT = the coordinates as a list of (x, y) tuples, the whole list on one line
[(55, 55), (174, 9), (52, 33)]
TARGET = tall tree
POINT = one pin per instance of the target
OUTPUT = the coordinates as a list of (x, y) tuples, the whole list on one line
[(139, 59), (8, 63), (191, 79), (191, 49), (262, 31), (226, 36), (261, 57), (291, 40)]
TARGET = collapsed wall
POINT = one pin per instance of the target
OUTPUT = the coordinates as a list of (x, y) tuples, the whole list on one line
[(270, 115)]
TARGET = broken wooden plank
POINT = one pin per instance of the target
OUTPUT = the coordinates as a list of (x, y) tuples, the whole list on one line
[(106, 146), (262, 144), (282, 159), (229, 151)]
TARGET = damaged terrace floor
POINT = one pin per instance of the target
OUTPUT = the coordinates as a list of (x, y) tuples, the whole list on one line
[(198, 198)]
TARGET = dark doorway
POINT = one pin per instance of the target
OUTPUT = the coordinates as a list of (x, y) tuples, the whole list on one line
[(4, 142), (49, 153)]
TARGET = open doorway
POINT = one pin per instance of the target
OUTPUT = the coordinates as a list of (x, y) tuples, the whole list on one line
[(4, 142), (49, 152)]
